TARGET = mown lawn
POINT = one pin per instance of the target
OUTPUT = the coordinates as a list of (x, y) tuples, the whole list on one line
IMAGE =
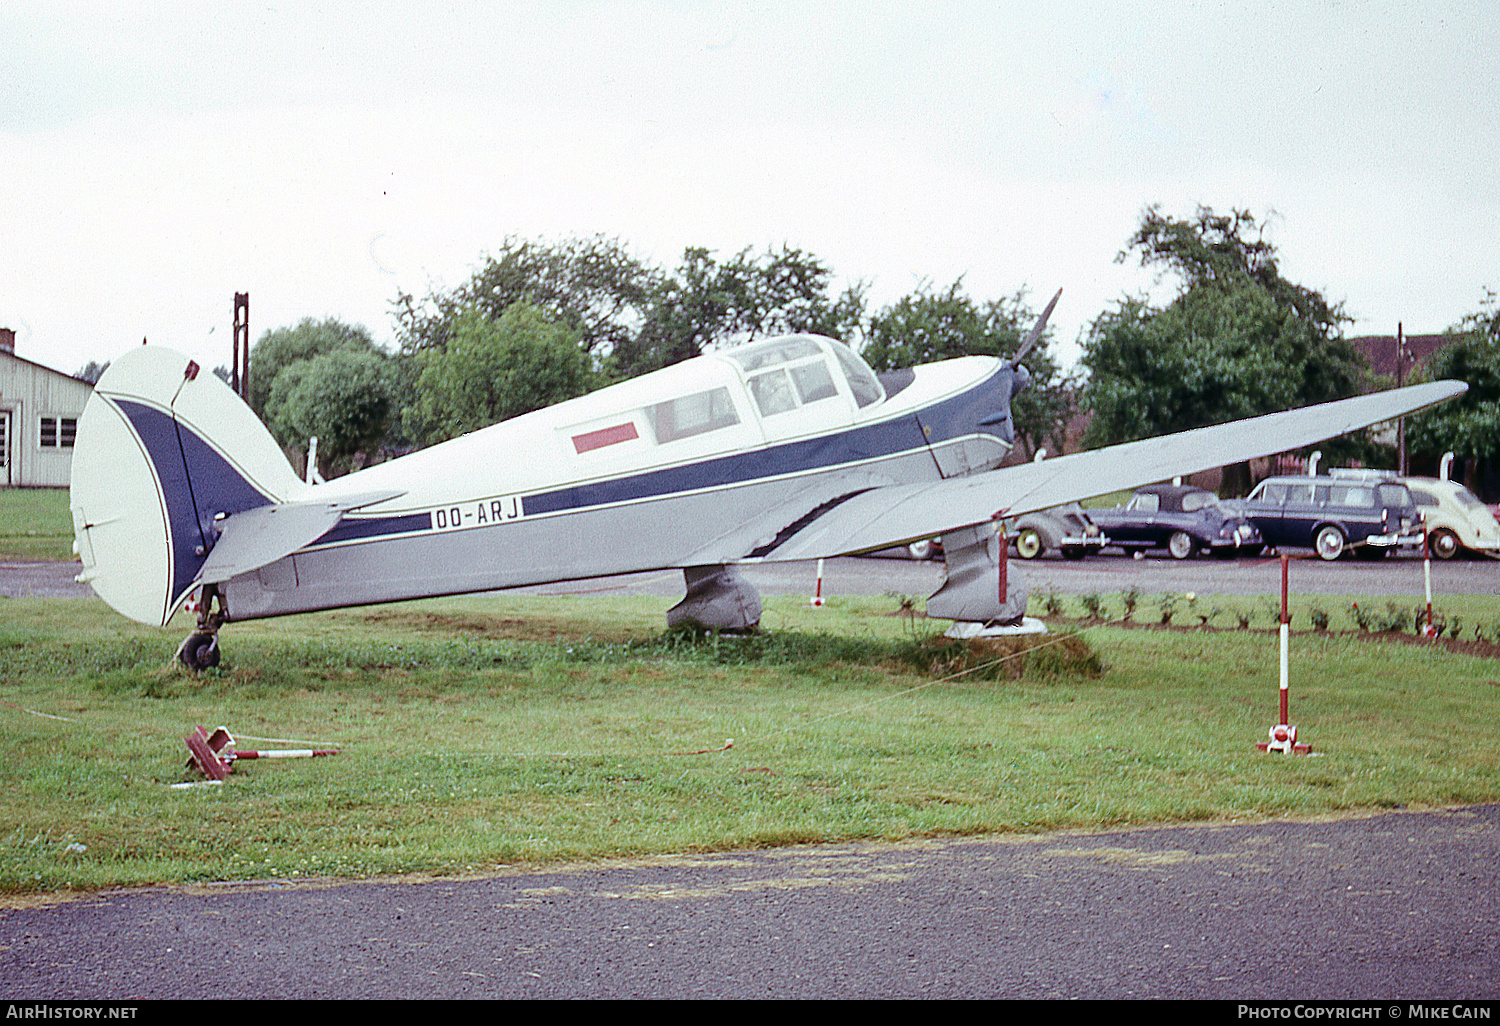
[(480, 732)]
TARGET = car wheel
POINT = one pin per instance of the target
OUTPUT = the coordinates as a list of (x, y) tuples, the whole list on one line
[(1180, 545), (1329, 543), (1029, 544), (1444, 543), (920, 549)]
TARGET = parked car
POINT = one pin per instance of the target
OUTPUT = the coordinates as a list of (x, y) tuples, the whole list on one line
[(1180, 518), (1456, 520), (1065, 529), (1369, 510)]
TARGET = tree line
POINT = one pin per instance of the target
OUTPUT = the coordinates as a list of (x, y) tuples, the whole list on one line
[(539, 322)]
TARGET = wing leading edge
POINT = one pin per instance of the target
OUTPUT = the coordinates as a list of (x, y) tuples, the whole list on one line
[(894, 515)]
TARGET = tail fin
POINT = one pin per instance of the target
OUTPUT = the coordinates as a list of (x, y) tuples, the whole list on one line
[(163, 451)]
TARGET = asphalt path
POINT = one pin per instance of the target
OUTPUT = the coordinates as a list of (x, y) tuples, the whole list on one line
[(1403, 905), (1398, 575)]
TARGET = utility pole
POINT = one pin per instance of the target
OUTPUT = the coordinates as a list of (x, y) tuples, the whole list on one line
[(239, 379), (1401, 467)]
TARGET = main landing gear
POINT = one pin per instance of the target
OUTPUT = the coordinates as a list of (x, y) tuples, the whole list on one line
[(200, 650)]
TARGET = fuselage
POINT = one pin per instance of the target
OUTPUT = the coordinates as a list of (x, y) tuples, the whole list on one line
[(701, 463)]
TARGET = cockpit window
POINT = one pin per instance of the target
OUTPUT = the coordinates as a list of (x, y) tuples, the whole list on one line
[(692, 415), (773, 393), (862, 382), (813, 382)]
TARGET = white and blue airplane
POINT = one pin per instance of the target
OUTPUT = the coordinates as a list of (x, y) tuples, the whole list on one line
[(778, 450)]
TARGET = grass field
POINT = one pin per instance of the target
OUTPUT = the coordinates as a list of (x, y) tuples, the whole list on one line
[(35, 524), (482, 732)]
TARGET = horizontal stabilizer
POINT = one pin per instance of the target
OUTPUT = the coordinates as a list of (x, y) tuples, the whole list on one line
[(886, 517), (258, 537)]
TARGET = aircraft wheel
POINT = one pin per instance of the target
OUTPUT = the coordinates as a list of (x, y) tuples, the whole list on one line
[(1329, 543), (920, 549), (1444, 543), (199, 652), (1029, 544), (1180, 545)]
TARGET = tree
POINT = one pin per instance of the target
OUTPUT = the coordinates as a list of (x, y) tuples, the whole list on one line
[(593, 286), (705, 302), (1237, 340), (492, 369), (92, 371), (926, 326), (280, 348), (343, 397), (1468, 426)]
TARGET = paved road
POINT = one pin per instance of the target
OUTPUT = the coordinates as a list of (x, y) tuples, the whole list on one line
[(1401, 905), (877, 576)]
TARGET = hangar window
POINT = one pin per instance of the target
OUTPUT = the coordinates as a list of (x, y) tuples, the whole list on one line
[(692, 415), (57, 432)]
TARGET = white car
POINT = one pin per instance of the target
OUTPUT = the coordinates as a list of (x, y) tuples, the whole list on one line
[(1456, 519)]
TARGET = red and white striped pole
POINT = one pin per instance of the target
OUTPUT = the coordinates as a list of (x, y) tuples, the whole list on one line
[(817, 600), (1283, 736), (1431, 631)]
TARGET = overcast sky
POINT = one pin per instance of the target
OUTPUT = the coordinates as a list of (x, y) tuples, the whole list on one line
[(157, 158)]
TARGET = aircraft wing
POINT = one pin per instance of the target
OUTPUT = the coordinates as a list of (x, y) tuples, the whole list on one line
[(882, 517)]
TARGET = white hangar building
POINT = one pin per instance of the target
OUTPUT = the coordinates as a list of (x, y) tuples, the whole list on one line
[(39, 411)]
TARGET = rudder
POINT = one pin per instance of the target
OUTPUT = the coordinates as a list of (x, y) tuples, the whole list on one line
[(163, 451)]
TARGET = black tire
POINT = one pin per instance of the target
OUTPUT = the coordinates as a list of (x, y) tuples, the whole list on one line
[(1181, 545), (1075, 552), (199, 652), (1444, 544), (1029, 544), (1329, 543)]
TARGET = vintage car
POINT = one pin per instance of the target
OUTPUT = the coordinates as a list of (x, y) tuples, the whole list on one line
[(1065, 529), (1370, 512), (1456, 520), (1180, 518)]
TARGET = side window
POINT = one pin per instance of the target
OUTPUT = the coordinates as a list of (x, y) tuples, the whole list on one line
[(692, 415), (1300, 494), (1144, 502), (1320, 495), (1274, 494), (1347, 495), (1424, 499), (813, 382), (773, 393)]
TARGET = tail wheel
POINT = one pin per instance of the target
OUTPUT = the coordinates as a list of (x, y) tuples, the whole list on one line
[(1180, 545), (1029, 544), (1444, 543), (1329, 543)]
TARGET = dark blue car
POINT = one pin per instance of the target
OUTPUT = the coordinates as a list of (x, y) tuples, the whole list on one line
[(1181, 519), (1332, 514)]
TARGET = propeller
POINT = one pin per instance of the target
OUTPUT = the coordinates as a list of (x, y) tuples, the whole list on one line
[(1035, 333)]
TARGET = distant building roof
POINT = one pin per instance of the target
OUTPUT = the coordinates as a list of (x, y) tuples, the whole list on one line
[(1379, 351)]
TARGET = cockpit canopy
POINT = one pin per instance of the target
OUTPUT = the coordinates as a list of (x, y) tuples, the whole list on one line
[(788, 372)]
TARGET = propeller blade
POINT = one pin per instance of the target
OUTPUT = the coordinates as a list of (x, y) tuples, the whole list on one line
[(1035, 333)]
